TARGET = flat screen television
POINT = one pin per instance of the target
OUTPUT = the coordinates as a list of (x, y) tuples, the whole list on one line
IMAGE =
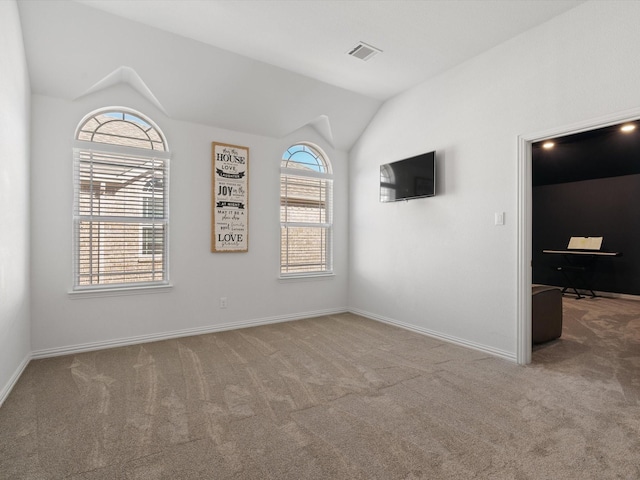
[(413, 177)]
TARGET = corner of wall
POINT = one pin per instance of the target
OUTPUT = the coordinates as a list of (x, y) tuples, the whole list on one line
[(15, 316)]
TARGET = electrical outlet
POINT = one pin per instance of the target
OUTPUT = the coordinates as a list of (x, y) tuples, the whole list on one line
[(223, 302)]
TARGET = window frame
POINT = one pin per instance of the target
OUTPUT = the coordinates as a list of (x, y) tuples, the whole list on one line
[(327, 178), (160, 159)]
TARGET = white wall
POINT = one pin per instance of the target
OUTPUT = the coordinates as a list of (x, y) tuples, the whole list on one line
[(439, 264), (63, 323), (15, 343)]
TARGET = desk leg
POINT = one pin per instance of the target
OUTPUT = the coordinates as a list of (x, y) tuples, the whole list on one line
[(578, 274), (577, 293)]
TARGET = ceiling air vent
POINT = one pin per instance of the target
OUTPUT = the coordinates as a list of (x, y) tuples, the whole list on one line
[(364, 51)]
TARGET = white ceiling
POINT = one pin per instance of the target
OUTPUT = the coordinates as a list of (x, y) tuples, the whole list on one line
[(419, 39), (266, 67)]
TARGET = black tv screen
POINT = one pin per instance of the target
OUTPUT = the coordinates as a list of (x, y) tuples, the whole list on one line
[(413, 177)]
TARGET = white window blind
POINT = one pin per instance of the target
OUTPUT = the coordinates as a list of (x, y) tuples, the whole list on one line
[(120, 219), (306, 213)]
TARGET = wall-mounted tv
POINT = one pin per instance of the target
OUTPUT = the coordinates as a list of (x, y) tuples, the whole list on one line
[(413, 177)]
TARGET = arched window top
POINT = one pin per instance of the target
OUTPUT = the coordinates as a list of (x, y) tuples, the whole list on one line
[(121, 127), (303, 156), (387, 175), (387, 184)]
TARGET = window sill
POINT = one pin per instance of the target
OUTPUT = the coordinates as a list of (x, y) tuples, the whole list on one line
[(119, 291), (306, 277)]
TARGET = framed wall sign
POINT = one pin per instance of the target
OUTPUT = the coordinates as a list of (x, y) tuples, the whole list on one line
[(230, 198)]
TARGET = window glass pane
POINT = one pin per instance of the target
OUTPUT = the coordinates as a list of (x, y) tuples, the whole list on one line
[(90, 125), (137, 120), (303, 200), (304, 249), (118, 128), (152, 239), (86, 136), (305, 158), (121, 128), (118, 185), (110, 253), (153, 135)]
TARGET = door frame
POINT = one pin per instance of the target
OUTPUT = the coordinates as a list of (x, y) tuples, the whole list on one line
[(524, 208)]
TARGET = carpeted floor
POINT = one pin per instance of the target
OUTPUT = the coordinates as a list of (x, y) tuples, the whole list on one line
[(338, 397)]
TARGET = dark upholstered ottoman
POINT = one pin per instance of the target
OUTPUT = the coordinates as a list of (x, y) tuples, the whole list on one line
[(546, 313)]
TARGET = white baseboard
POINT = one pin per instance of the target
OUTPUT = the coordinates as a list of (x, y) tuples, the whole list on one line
[(6, 390), (440, 336), (623, 296), (155, 337), (587, 293)]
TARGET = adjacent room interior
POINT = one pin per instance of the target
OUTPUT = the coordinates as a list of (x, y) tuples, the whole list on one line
[(583, 186), (206, 266), (584, 225)]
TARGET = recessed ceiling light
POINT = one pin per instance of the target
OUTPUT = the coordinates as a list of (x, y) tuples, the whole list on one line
[(548, 145), (628, 127)]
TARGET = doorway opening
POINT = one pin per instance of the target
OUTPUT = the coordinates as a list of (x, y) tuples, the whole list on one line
[(524, 226)]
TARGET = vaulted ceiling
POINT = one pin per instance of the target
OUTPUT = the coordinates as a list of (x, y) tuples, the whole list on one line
[(266, 67)]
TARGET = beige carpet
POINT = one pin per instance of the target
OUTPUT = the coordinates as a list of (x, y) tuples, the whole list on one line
[(337, 397)]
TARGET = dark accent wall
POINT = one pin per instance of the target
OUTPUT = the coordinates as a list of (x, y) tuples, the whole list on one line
[(607, 207)]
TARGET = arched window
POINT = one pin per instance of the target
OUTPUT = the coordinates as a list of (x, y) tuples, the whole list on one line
[(120, 208), (306, 212)]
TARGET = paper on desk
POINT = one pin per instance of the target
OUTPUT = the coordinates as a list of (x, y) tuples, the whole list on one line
[(585, 243)]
